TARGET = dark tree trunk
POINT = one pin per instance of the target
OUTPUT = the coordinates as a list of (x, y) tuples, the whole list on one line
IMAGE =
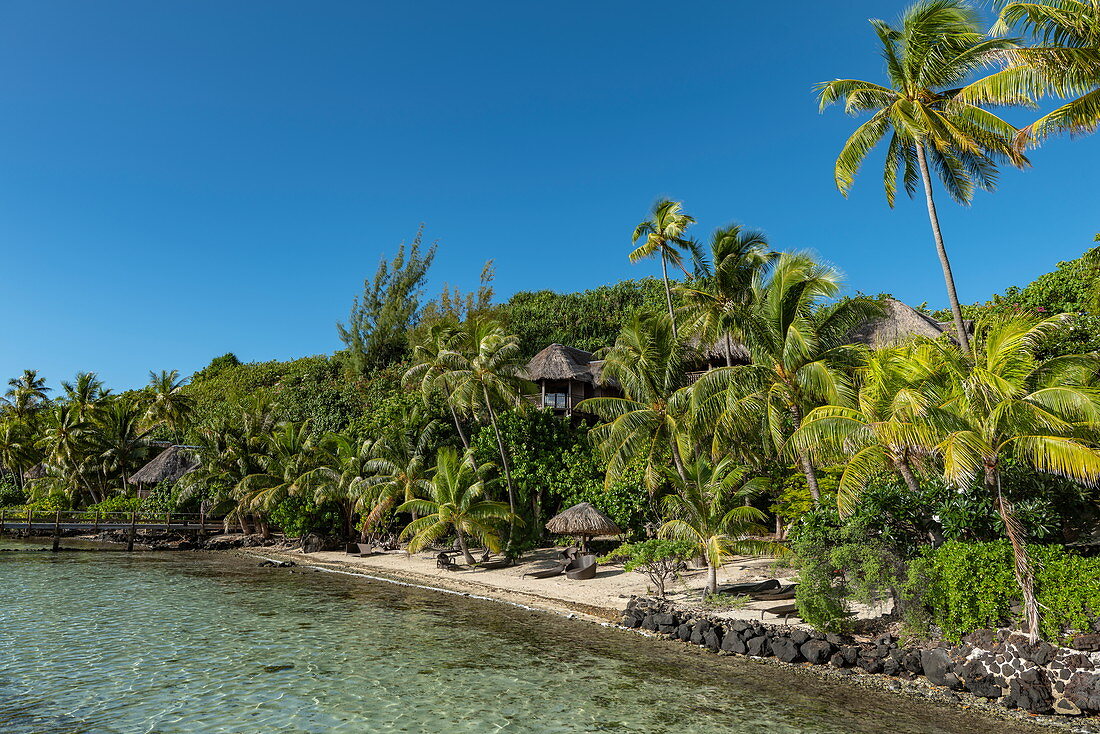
[(504, 462), (1025, 576)]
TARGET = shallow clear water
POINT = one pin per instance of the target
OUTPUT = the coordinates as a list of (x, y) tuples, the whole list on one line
[(167, 643)]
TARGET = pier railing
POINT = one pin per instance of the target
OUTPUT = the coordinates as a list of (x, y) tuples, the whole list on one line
[(91, 521)]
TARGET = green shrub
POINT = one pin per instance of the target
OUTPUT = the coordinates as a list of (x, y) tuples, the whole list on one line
[(657, 558), (960, 587), (10, 494)]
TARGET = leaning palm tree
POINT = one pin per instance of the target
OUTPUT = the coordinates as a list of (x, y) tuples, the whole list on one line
[(429, 370), (66, 444), (455, 501), (705, 510), (1003, 405), (1063, 61), (167, 403), (665, 236), (649, 424), (716, 302), (885, 427), (923, 107), (801, 359), (17, 450)]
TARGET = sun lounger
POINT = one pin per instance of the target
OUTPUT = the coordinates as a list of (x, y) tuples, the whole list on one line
[(364, 549), (557, 570), (780, 610), (446, 561), (750, 587), (500, 563), (583, 568), (569, 553), (780, 594)]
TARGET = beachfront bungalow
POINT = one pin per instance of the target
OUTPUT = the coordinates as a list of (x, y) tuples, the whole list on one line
[(168, 466), (566, 376)]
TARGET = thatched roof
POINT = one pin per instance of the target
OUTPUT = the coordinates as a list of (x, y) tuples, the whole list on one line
[(717, 350), (559, 362), (898, 323), (38, 471), (169, 465), (583, 520)]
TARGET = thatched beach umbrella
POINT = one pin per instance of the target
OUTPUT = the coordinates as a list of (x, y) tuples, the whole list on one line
[(169, 465), (584, 521)]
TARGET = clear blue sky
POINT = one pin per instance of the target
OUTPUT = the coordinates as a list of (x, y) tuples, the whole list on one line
[(182, 179)]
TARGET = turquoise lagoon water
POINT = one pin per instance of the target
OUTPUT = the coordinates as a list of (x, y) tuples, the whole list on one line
[(110, 642)]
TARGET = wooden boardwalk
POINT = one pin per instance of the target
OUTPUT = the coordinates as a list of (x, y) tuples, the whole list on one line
[(98, 522)]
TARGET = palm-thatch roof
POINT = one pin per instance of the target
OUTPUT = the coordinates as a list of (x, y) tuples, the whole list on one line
[(559, 362), (897, 323), (739, 353), (583, 520), (38, 471), (169, 465)]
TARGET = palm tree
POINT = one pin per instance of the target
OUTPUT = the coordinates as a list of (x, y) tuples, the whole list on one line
[(483, 367), (1064, 62), (85, 393), (664, 234), (705, 511), (649, 423), (341, 475), (167, 403), (17, 450), (398, 468), (801, 358), (716, 302), (456, 502), (66, 442), (885, 427), (120, 440), (26, 394), (924, 108), (290, 456), (1002, 404), (429, 370)]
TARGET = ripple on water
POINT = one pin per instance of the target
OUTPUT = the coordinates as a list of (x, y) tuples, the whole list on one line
[(179, 643)]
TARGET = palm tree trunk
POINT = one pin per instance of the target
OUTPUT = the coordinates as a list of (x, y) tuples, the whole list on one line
[(668, 295), (712, 579), (729, 350), (504, 463), (458, 425), (1025, 576), (906, 473), (811, 478), (948, 278), (463, 547)]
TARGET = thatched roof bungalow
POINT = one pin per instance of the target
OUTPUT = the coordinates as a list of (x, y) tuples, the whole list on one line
[(168, 466), (898, 323), (566, 376)]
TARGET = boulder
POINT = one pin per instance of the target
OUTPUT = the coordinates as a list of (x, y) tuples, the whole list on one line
[(838, 661), (1083, 690), (648, 623), (850, 653), (1088, 643), (786, 650), (1031, 692), (630, 621), (976, 679), (911, 662), (759, 646), (698, 630), (684, 632), (734, 642), (870, 664), (712, 639), (938, 666), (799, 636), (817, 652), (667, 620)]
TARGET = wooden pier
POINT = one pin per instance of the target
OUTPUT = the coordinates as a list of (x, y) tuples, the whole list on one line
[(98, 522)]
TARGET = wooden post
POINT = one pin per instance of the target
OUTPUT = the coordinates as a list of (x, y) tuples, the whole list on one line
[(57, 531), (167, 521), (133, 529), (3, 511), (96, 528), (202, 522)]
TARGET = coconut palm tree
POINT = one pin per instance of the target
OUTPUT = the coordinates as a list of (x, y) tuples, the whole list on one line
[(663, 235), (801, 359), (166, 402), (341, 475), (291, 454), (650, 423), (455, 501), (26, 395), (1063, 61), (85, 393), (1003, 404), (923, 107), (121, 442), (885, 428), (17, 449), (705, 510), (398, 469), (429, 370), (66, 441), (715, 303), (483, 367)]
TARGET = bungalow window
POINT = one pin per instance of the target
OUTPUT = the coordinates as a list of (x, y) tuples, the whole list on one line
[(554, 400)]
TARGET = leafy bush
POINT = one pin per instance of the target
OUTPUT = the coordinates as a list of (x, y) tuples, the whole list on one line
[(960, 587), (297, 516), (657, 558), (10, 494)]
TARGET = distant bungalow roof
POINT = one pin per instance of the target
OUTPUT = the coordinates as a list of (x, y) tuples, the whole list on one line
[(169, 465), (559, 362), (897, 323)]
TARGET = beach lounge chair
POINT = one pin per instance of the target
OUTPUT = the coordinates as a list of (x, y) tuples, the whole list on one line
[(570, 553), (446, 561), (750, 587), (557, 570), (499, 563), (781, 594), (583, 568), (781, 610)]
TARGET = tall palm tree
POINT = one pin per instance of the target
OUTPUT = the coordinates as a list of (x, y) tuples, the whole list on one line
[(121, 442), (26, 394), (923, 106), (484, 367), (649, 423), (341, 475), (17, 450), (429, 369), (801, 359), (715, 303), (167, 403), (85, 393), (398, 468), (885, 427), (1064, 61), (664, 235), (290, 456), (455, 501), (66, 441), (1003, 404), (705, 511)]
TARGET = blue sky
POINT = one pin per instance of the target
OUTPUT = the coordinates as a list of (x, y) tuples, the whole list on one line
[(182, 179)]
